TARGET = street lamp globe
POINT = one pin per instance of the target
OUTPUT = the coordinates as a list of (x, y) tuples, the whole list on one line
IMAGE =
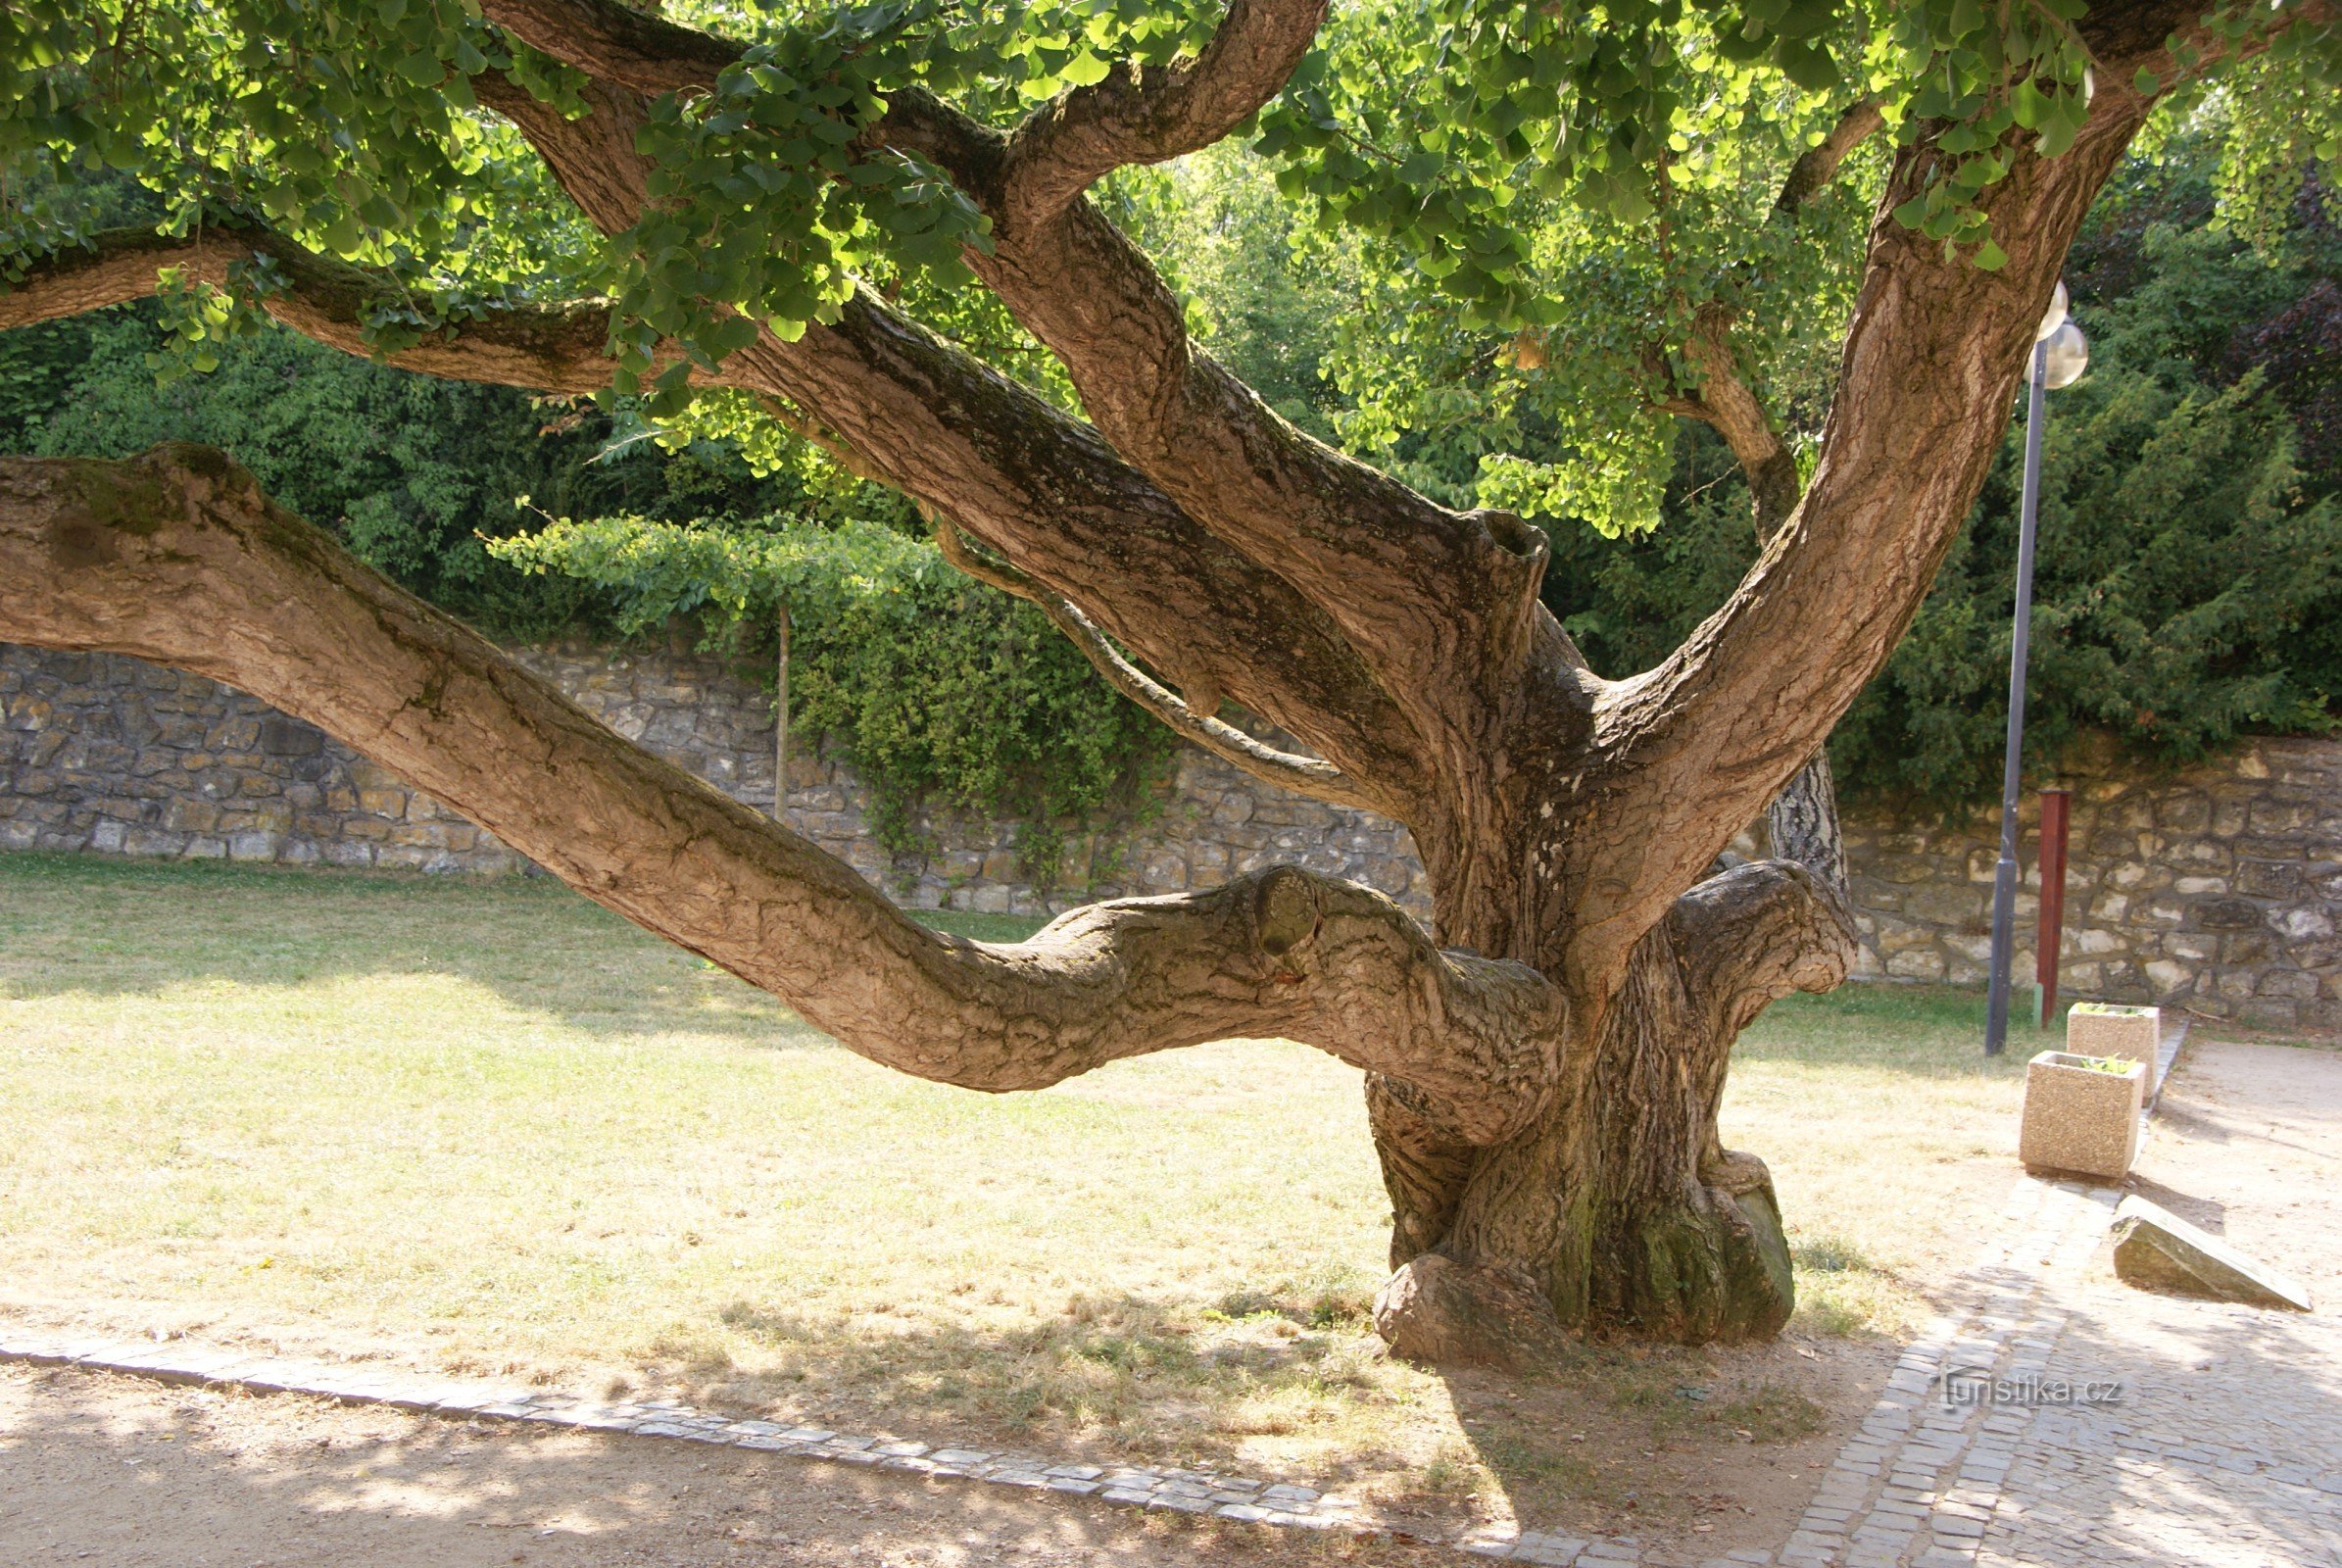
[(2055, 317), (2065, 354)]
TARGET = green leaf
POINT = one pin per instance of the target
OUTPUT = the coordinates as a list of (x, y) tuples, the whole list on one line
[(1085, 69)]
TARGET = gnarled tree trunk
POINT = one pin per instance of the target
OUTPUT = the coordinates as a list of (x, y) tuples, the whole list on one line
[(1617, 1206), (1542, 1084)]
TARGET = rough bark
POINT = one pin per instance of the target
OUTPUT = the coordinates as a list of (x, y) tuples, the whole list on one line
[(1544, 1103), (1620, 1202), (177, 558)]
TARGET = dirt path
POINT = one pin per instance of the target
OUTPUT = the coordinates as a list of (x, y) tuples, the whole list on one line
[(125, 1473)]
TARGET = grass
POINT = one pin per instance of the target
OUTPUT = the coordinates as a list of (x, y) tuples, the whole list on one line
[(487, 1125)]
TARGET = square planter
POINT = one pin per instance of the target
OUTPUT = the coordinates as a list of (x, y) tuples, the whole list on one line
[(2079, 1117), (2101, 1029)]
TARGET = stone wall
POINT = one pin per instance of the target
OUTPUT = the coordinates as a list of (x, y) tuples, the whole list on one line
[(109, 754), (2216, 888)]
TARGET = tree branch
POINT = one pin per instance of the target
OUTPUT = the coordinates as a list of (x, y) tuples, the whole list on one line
[(1727, 403), (548, 349), (1148, 114), (1750, 936), (1693, 748), (1423, 593), (904, 406), (638, 50), (177, 558), (1304, 776), (1818, 164)]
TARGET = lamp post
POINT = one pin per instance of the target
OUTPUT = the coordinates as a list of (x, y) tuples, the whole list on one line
[(2060, 354)]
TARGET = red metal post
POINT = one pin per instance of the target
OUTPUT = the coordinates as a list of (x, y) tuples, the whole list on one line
[(2053, 812)]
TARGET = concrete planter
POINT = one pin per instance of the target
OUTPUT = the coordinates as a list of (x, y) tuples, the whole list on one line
[(2102, 1029), (2081, 1118)]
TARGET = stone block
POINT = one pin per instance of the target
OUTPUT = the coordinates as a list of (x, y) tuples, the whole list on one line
[(2155, 1249), (2079, 1118)]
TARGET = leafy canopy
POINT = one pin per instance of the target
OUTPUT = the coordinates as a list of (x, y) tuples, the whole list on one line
[(1442, 130)]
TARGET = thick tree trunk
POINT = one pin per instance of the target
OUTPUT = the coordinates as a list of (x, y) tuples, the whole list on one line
[(1619, 1208)]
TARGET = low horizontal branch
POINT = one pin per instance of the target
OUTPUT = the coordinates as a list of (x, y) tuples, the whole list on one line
[(557, 348), (177, 558)]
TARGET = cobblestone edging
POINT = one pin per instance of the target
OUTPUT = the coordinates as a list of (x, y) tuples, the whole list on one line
[(1238, 1498)]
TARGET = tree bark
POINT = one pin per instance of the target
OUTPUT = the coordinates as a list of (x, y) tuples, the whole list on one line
[(1618, 1206), (1543, 1088)]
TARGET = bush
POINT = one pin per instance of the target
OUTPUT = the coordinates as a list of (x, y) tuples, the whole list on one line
[(934, 687), (408, 472)]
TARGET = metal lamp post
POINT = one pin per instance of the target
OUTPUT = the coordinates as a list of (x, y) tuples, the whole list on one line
[(2060, 354)]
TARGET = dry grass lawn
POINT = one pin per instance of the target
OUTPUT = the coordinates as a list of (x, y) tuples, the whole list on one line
[(488, 1125)]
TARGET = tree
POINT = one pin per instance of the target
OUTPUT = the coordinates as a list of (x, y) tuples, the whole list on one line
[(762, 219)]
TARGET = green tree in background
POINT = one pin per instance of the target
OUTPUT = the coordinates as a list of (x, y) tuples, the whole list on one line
[(408, 470)]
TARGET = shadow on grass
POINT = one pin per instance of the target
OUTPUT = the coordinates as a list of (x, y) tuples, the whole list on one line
[(94, 925), (1294, 1369)]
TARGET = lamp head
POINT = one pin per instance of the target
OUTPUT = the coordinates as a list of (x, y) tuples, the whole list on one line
[(2065, 356), (2053, 317)]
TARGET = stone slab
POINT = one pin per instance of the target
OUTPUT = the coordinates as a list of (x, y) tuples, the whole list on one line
[(2155, 1249)]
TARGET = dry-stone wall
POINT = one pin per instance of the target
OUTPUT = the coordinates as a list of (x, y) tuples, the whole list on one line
[(109, 754), (2218, 888)]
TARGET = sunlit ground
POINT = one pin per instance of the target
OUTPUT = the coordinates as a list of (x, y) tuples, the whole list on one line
[(486, 1125)]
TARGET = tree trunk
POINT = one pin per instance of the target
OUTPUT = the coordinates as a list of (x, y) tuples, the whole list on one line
[(1619, 1208)]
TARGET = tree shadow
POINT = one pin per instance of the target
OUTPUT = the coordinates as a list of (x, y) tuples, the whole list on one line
[(85, 925), (107, 1469)]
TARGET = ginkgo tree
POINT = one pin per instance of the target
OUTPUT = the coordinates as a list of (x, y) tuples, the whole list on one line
[(754, 218)]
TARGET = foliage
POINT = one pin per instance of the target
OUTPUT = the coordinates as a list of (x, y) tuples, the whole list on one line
[(1434, 133), (409, 470), (933, 685), (2188, 584), (1450, 133)]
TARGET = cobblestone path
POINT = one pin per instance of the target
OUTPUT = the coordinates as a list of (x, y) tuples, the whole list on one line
[(2223, 1449)]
